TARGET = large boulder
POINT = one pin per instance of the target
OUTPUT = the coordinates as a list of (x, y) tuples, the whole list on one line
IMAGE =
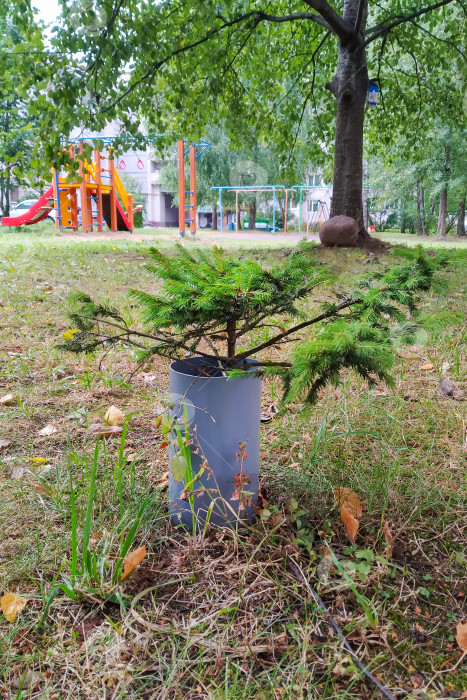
[(339, 230)]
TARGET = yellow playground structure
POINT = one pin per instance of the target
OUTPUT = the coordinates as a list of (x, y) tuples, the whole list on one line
[(99, 199), (100, 195)]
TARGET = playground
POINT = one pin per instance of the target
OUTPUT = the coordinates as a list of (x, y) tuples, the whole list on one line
[(96, 201)]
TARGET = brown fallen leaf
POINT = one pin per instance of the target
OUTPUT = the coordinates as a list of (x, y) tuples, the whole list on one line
[(94, 539), (348, 498), (114, 416), (7, 400), (448, 388), (97, 429), (389, 540), (49, 429), (4, 444), (132, 560), (461, 635), (11, 605), (351, 523), (427, 368), (164, 482), (276, 520), (351, 509)]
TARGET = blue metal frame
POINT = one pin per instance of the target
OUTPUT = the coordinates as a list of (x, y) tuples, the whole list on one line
[(265, 188)]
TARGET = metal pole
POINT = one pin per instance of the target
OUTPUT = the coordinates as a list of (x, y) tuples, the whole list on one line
[(300, 213), (274, 211), (181, 188), (220, 207), (193, 189), (236, 212), (285, 214)]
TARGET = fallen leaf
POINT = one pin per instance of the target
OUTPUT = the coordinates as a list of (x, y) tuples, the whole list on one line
[(17, 472), (276, 519), (427, 368), (11, 605), (114, 416), (97, 429), (389, 540), (348, 498), (94, 539), (38, 460), (7, 400), (69, 335), (132, 560), (48, 430), (45, 489), (351, 523), (3, 444), (44, 469), (461, 635), (164, 482)]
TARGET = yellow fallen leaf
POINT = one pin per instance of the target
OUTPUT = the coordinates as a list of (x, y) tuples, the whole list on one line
[(114, 416), (48, 430), (38, 460), (349, 500), (461, 635), (427, 368), (132, 560), (69, 335), (11, 605), (7, 400)]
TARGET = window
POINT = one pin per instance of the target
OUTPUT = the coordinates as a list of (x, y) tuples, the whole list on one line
[(312, 205), (314, 180)]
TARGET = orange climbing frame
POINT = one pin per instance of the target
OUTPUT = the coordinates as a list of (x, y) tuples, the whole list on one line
[(182, 192)]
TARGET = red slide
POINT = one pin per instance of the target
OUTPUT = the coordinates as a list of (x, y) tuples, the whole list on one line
[(36, 213)]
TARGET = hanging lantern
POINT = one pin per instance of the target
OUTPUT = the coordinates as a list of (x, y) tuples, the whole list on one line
[(373, 94), (140, 164)]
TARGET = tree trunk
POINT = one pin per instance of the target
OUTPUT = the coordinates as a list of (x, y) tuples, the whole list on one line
[(421, 229), (350, 88), (443, 199), (7, 195), (443, 210), (231, 338), (403, 226), (461, 217), (281, 207), (252, 217), (214, 218)]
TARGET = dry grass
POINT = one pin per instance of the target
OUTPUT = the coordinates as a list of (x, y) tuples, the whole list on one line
[(223, 616)]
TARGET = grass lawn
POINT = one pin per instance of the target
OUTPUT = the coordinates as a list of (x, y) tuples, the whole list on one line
[(222, 616)]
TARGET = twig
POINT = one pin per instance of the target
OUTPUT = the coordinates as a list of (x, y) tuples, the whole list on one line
[(298, 573)]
